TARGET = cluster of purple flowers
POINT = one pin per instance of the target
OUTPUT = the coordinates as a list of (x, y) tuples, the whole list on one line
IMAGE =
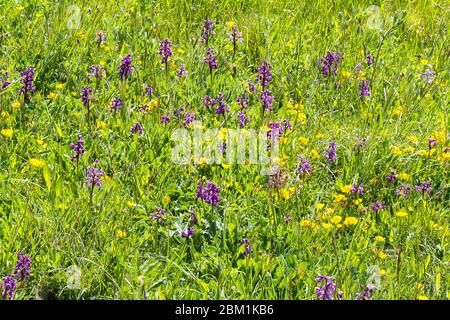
[(242, 101), (251, 86), (366, 294), (181, 71), (392, 177), (94, 174), (331, 154), (357, 189), (165, 118), (222, 108), (327, 287), (206, 30), (208, 193), (278, 128), (158, 215), (164, 50), (365, 91), (101, 38), (125, 67), (264, 74), (27, 78), (431, 143), (427, 76), (4, 83), (247, 248), (267, 99), (21, 273), (369, 59), (78, 148), (189, 117), (243, 119), (303, 166), (97, 72), (235, 36), (276, 179), (425, 187), (211, 60), (148, 91), (377, 206), (116, 104), (403, 191), (330, 63), (86, 96), (189, 233), (137, 128), (193, 218)]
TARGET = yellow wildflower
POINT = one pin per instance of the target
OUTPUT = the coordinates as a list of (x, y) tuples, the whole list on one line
[(340, 198), (350, 221), (7, 133), (37, 163), (336, 219), (380, 239), (121, 234), (401, 213), (382, 255), (16, 104), (346, 188), (320, 206), (403, 176)]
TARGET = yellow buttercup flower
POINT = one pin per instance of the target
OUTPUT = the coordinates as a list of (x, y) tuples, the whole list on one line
[(301, 117), (380, 239), (346, 74), (382, 272), (314, 154), (422, 297), (100, 124), (16, 104), (336, 219), (230, 24), (5, 114), (401, 213), (37, 163), (121, 234), (403, 176), (327, 226), (350, 221), (396, 150), (346, 188), (131, 204), (382, 255), (303, 140), (60, 86), (7, 133), (320, 135), (320, 206), (166, 199), (340, 198), (357, 201), (52, 95), (413, 138), (305, 223)]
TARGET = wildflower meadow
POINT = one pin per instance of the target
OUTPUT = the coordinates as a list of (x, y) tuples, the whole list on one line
[(260, 149)]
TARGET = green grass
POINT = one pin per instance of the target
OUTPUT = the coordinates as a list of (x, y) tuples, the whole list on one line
[(120, 253)]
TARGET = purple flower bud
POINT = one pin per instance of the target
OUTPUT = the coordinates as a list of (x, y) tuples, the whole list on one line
[(125, 68), (137, 128), (208, 193), (27, 78), (164, 50), (78, 148), (331, 154), (93, 175)]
